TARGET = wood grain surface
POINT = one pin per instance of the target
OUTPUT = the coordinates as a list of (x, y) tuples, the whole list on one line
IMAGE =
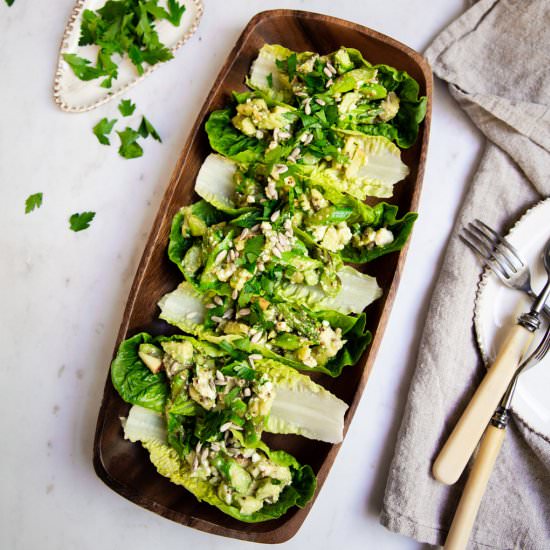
[(125, 467)]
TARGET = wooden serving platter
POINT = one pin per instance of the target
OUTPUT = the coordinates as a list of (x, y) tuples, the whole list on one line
[(124, 466)]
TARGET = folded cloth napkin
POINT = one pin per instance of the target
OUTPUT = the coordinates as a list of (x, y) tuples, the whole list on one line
[(495, 58)]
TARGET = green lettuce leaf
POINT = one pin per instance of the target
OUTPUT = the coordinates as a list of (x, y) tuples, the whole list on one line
[(169, 464), (133, 381), (225, 139), (186, 309)]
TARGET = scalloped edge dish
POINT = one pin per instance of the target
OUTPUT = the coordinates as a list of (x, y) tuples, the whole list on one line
[(497, 307), (76, 96)]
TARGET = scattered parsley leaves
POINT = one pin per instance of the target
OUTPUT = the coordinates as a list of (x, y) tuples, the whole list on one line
[(176, 11), (129, 147), (33, 202), (102, 128), (126, 107), (269, 79), (81, 221), (81, 67), (146, 129), (10, 2)]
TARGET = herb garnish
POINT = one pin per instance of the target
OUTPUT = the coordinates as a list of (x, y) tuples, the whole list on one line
[(102, 128), (81, 221), (33, 202), (126, 107)]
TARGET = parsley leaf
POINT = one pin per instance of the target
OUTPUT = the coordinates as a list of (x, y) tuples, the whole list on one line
[(129, 147), (175, 12), (81, 67), (291, 61), (79, 222), (146, 129), (33, 202), (10, 2), (102, 128), (126, 107), (269, 79)]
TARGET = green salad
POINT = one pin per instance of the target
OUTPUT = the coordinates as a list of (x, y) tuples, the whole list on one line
[(266, 294)]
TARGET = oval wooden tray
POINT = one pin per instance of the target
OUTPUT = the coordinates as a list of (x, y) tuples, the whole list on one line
[(125, 467)]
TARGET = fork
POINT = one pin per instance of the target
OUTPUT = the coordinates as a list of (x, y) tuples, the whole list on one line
[(499, 256), (504, 260), (484, 461)]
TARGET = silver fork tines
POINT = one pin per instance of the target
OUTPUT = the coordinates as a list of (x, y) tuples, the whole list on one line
[(499, 256)]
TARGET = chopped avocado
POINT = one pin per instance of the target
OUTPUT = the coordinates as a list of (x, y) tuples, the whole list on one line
[(254, 116), (288, 341), (182, 352), (233, 327), (151, 357), (197, 227), (390, 106), (353, 80), (342, 61), (225, 493), (248, 505), (237, 477), (193, 259), (349, 102), (373, 91), (268, 489)]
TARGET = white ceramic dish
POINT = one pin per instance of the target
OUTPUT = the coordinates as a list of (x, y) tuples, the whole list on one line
[(497, 308), (75, 95)]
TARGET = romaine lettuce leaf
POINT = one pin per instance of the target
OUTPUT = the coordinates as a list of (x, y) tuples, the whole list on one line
[(133, 381), (186, 309), (169, 464), (302, 407), (375, 166), (266, 76), (227, 140), (270, 75)]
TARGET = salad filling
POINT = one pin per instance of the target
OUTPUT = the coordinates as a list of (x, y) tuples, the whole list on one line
[(320, 214)]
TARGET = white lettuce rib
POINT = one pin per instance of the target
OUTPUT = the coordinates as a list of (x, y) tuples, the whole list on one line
[(144, 425), (215, 183)]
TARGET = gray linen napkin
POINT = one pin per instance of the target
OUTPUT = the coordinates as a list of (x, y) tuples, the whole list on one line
[(495, 58)]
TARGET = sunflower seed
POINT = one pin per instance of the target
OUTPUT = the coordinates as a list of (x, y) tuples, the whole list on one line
[(195, 463), (218, 300), (331, 68), (329, 83), (243, 312), (235, 294), (226, 426), (216, 319), (210, 306), (219, 375), (198, 447), (307, 109), (256, 338), (255, 356), (275, 216), (221, 257), (228, 314), (319, 101), (276, 252), (328, 72), (247, 392)]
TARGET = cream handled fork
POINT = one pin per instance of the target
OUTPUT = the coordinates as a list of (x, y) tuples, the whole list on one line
[(489, 448), (460, 445)]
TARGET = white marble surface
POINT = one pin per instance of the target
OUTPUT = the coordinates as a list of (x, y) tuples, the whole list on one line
[(62, 293)]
